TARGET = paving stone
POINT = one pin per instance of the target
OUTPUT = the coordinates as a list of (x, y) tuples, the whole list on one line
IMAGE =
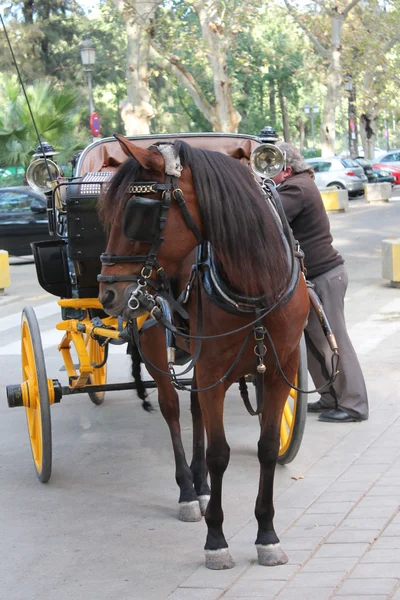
[(391, 530), (335, 564), (298, 557), (330, 507), (384, 543), (378, 501), (279, 573), (341, 550), (351, 536), (372, 512), (375, 523), (194, 594), (300, 543), (362, 473), (342, 496), (373, 597), (377, 570), (385, 490), (255, 589), (312, 531), (348, 486), (319, 519), (365, 587), (377, 555), (207, 578), (314, 579), (310, 593)]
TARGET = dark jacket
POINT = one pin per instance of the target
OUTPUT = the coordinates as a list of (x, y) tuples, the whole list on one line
[(307, 217)]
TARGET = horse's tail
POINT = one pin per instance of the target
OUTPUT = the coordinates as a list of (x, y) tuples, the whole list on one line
[(137, 376)]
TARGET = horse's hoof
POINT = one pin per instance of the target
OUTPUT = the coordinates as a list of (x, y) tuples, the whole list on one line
[(219, 559), (271, 555), (189, 511), (203, 501)]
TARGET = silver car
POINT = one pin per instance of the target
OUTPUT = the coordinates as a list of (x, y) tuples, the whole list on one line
[(342, 173)]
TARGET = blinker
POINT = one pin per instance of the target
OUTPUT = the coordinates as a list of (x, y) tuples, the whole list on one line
[(142, 219)]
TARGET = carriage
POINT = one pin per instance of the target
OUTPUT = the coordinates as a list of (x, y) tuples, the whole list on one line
[(68, 268)]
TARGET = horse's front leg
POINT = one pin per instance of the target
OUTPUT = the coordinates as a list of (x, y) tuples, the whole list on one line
[(168, 399), (198, 465), (268, 546), (217, 457)]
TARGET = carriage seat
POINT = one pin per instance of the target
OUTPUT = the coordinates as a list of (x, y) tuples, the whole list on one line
[(86, 238), (107, 154)]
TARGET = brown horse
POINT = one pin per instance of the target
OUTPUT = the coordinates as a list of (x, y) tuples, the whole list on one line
[(218, 200)]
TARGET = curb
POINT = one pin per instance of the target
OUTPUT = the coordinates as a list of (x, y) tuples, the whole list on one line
[(4, 300)]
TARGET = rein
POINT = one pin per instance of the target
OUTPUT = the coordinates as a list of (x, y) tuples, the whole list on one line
[(158, 304)]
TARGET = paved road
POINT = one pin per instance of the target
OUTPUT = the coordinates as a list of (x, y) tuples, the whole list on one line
[(105, 526)]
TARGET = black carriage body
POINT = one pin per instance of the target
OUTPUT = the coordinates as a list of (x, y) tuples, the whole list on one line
[(86, 237)]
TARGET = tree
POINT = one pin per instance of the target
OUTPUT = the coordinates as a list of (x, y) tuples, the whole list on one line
[(56, 115), (327, 16), (373, 76)]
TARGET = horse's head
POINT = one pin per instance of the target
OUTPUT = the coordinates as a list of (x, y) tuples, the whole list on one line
[(149, 233)]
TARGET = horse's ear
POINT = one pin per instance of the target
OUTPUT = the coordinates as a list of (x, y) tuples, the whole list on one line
[(146, 158)]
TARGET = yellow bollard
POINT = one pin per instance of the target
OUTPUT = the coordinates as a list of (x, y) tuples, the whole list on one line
[(4, 271), (391, 261), (335, 199)]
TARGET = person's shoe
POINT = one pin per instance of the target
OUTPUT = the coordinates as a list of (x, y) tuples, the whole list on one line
[(316, 407), (338, 416)]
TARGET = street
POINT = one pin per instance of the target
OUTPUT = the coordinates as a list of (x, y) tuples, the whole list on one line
[(105, 526)]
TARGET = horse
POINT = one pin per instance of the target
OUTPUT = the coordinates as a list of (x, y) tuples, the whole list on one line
[(161, 203)]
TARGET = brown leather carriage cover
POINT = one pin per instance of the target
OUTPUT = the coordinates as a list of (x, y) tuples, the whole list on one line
[(107, 155)]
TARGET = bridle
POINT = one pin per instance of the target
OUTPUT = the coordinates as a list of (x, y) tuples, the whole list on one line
[(144, 221)]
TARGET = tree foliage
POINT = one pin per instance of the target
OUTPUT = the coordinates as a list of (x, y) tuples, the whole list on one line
[(212, 64)]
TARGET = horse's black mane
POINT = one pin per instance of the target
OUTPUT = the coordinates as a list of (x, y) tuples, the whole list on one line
[(236, 218)]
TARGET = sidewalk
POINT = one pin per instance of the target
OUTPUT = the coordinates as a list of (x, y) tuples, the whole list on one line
[(340, 525)]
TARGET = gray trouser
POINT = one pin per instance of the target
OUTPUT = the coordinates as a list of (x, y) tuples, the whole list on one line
[(348, 392)]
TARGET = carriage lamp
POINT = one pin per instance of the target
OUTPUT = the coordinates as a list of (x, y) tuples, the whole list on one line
[(43, 170), (267, 161)]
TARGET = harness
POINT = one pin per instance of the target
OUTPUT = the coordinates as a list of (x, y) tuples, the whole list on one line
[(144, 221)]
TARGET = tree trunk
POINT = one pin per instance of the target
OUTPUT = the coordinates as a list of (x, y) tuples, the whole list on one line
[(285, 116), (272, 104), (368, 133), (136, 109), (334, 80), (368, 118), (225, 117)]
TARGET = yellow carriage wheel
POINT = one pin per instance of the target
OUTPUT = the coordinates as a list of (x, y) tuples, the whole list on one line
[(99, 377), (294, 413), (37, 391)]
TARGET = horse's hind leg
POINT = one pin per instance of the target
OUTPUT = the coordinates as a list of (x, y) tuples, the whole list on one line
[(189, 507), (269, 550), (198, 465)]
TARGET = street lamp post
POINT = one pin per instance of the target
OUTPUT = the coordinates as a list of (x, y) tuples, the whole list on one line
[(312, 111), (88, 58), (352, 127)]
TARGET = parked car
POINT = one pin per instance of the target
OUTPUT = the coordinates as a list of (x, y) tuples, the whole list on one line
[(367, 167), (375, 173), (392, 158), (342, 173), (389, 168), (23, 219)]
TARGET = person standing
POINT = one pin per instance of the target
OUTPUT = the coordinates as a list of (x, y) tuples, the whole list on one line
[(346, 399)]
